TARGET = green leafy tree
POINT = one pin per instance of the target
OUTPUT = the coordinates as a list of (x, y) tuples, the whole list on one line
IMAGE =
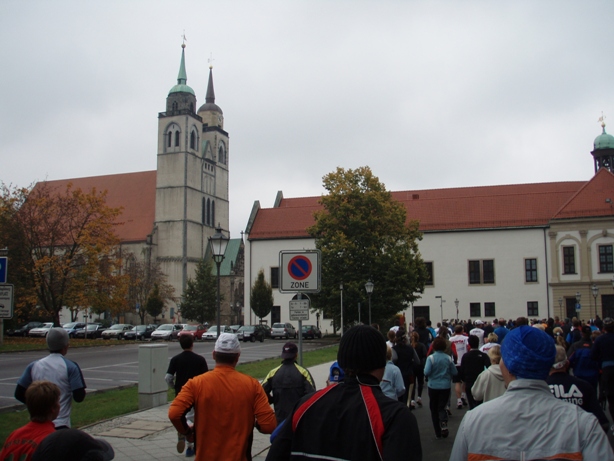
[(261, 298), (363, 233), (200, 296), (155, 303)]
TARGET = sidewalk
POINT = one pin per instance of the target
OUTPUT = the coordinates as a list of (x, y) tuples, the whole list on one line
[(148, 434)]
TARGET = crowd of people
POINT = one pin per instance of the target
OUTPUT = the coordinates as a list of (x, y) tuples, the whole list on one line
[(538, 373)]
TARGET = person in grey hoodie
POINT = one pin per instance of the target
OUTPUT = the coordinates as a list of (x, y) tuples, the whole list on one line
[(490, 383)]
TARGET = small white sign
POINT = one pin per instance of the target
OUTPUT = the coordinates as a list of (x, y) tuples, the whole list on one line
[(6, 301), (299, 309)]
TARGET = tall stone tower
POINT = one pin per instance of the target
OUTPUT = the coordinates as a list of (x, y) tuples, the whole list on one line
[(192, 180)]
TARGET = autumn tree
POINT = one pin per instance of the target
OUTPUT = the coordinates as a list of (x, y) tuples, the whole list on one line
[(261, 297), (66, 234), (363, 233), (145, 275), (200, 296)]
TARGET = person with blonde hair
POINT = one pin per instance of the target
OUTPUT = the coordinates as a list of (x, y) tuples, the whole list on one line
[(490, 384), (559, 338), (491, 340)]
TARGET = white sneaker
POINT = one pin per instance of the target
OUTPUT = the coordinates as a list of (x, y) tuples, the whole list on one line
[(419, 401)]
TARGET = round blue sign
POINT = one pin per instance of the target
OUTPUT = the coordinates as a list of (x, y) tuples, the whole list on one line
[(299, 267)]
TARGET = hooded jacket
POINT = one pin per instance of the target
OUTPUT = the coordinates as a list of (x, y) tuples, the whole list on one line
[(489, 384)]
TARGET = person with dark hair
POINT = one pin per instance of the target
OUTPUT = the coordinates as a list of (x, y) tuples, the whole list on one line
[(527, 422), (73, 445), (182, 367), (227, 406), (501, 330), (439, 369), (573, 389), (461, 345), (418, 369), (56, 368), (579, 356), (426, 337), (351, 420), (473, 363), (603, 354), (287, 383), (404, 356), (43, 403)]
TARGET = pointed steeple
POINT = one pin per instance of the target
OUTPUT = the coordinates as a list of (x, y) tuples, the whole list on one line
[(210, 104), (182, 78), (210, 98)]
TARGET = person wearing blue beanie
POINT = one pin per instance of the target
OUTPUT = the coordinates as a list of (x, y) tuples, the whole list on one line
[(525, 422)]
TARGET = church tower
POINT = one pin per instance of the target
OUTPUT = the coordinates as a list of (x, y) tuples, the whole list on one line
[(603, 152), (192, 180)]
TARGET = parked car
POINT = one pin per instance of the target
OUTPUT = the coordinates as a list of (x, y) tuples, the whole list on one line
[(72, 327), (23, 330), (283, 330), (251, 333), (116, 331), (212, 332), (139, 332), (311, 332), (234, 328), (93, 330), (167, 332), (196, 331), (41, 332)]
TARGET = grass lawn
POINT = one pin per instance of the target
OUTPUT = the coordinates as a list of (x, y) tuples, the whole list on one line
[(18, 344), (110, 404)]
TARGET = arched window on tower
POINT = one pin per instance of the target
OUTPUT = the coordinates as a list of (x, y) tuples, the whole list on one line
[(191, 107), (212, 212), (208, 220), (175, 106), (204, 205), (221, 154), (169, 135), (192, 140), (176, 138)]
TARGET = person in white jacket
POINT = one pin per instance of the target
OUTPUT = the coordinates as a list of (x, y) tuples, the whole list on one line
[(490, 383), (526, 421)]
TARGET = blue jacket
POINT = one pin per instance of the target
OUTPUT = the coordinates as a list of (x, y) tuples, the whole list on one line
[(439, 369)]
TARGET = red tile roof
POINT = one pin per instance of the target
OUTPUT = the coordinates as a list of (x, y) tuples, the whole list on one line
[(590, 200), (487, 207), (135, 192)]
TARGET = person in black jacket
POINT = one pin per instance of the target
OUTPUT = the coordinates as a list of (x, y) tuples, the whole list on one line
[(353, 419), (472, 364), (406, 359), (287, 383)]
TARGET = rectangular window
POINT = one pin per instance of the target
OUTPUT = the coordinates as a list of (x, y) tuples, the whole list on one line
[(475, 310), (532, 310), (275, 314), (569, 260), (482, 271), (274, 277), (429, 270), (489, 310), (530, 270), (475, 276), (606, 262)]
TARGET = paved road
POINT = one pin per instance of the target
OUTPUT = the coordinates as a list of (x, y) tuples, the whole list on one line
[(108, 367)]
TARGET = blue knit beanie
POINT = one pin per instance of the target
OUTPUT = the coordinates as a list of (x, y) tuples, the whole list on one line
[(528, 353)]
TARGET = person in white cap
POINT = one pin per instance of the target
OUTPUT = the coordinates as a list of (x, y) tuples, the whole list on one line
[(56, 368), (478, 331), (227, 406)]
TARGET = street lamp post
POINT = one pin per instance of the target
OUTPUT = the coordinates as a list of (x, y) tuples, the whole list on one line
[(369, 287), (456, 302), (441, 301), (218, 243), (595, 290), (341, 288)]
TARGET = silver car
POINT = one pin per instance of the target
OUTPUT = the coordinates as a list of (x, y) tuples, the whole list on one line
[(283, 330)]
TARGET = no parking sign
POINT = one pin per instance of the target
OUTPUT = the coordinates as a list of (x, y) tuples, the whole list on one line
[(299, 271)]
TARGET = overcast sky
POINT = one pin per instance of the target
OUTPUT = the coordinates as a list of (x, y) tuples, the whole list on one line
[(429, 94)]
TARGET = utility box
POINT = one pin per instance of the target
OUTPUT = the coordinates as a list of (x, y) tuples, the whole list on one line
[(153, 363)]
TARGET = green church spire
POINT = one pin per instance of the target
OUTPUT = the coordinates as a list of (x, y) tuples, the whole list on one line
[(182, 78)]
